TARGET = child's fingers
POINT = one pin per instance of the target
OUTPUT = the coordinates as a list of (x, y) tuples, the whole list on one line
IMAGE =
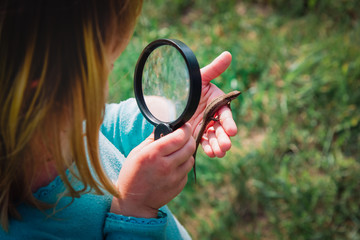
[(227, 122), (183, 154), (174, 141), (223, 139)]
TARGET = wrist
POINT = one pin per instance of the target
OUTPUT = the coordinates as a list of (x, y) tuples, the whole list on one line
[(131, 209)]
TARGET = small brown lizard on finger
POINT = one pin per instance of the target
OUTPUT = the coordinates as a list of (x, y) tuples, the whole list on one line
[(209, 113)]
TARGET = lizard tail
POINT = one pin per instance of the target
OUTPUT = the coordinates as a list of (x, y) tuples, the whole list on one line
[(194, 170)]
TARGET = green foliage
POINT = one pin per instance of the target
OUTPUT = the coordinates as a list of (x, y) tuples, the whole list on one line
[(340, 10), (294, 169)]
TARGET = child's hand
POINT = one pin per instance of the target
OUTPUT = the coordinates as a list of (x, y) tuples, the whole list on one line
[(154, 173), (216, 141)]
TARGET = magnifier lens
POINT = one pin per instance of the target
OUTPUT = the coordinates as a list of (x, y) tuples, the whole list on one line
[(165, 83)]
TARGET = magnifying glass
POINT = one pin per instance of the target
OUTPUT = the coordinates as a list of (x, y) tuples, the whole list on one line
[(167, 84)]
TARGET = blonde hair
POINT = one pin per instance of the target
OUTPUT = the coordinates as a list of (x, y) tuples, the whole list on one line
[(53, 71)]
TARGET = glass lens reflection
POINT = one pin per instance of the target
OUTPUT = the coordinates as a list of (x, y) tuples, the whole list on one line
[(166, 83)]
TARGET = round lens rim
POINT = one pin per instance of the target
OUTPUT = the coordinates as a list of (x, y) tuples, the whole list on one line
[(194, 75)]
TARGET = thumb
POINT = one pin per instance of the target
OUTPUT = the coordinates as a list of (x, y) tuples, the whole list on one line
[(216, 67)]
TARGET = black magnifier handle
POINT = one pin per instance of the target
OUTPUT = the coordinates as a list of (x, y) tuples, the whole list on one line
[(161, 130)]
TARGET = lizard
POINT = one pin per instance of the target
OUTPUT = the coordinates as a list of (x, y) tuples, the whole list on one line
[(209, 113)]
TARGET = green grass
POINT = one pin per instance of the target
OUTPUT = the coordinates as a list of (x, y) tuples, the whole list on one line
[(294, 168)]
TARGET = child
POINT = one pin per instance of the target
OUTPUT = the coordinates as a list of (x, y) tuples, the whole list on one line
[(62, 153)]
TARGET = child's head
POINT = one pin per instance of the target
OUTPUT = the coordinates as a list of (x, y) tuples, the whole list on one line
[(55, 57)]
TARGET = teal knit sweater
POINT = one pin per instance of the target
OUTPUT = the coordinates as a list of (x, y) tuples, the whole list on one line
[(88, 217)]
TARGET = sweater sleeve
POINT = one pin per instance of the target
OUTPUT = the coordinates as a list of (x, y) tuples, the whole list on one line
[(124, 125), (122, 227)]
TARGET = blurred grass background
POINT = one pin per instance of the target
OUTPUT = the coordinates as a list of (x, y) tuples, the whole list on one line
[(294, 168)]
